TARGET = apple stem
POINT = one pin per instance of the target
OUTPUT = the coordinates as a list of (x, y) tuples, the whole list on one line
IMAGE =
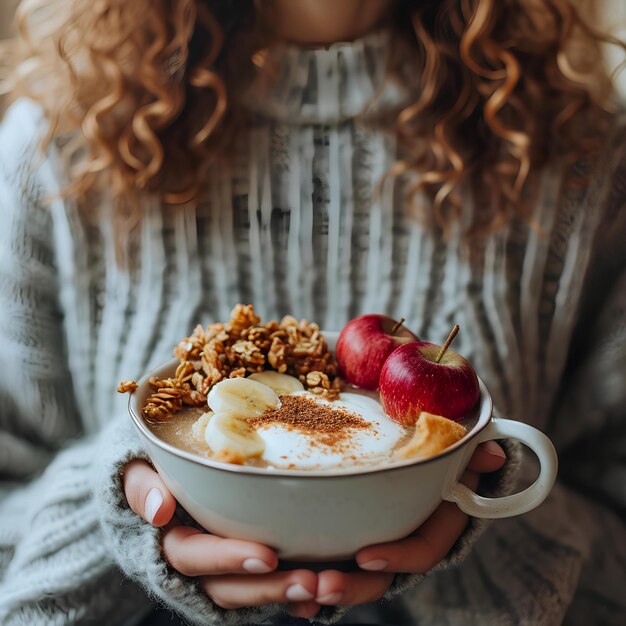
[(397, 325), (446, 345)]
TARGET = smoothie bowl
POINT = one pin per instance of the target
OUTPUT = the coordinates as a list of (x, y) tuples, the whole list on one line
[(308, 464)]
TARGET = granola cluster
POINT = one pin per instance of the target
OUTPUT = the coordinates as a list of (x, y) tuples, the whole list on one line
[(240, 347), (172, 393), (127, 386)]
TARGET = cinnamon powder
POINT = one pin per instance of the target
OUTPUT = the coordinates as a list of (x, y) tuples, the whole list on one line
[(329, 424)]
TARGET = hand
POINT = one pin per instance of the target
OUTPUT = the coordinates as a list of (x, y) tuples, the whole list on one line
[(233, 573), (416, 554), (237, 574)]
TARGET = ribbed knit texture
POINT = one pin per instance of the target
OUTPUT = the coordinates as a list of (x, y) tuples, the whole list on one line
[(294, 226)]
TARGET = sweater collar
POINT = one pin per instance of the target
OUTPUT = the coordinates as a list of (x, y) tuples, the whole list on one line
[(328, 85)]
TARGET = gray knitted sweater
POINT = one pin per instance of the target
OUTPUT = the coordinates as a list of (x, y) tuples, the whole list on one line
[(294, 226)]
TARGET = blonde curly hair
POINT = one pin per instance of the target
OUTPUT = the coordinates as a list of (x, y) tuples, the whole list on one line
[(143, 90)]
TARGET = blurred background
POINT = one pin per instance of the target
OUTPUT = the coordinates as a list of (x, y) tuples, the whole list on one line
[(7, 8), (608, 15)]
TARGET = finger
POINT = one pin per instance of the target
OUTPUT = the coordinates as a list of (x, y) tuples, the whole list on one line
[(470, 479), (306, 610), (147, 494), (422, 550), (348, 589), (236, 591), (488, 457), (195, 553)]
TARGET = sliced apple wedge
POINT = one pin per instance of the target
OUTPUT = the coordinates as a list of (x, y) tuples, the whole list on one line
[(433, 434)]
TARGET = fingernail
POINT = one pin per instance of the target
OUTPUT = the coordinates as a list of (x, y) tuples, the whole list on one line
[(297, 593), (374, 565), (330, 599), (256, 566), (154, 500), (493, 449)]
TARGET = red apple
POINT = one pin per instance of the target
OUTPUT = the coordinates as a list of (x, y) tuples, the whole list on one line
[(412, 381), (365, 343)]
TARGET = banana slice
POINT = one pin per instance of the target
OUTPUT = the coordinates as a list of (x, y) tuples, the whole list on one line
[(199, 426), (282, 384), (242, 398), (229, 437)]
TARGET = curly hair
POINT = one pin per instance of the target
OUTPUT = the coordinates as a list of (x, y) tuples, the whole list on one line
[(143, 89)]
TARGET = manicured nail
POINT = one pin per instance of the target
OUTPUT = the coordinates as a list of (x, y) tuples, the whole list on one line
[(297, 593), (330, 599), (374, 565), (493, 449), (154, 500), (256, 566)]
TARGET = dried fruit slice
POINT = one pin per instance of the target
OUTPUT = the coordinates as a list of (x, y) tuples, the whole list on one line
[(433, 434)]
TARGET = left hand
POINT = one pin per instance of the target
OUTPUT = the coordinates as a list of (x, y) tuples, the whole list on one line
[(416, 554)]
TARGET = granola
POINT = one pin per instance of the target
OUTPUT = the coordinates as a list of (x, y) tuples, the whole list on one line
[(239, 347), (127, 386), (171, 394)]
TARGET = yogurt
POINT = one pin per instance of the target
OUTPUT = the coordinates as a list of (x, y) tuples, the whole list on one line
[(370, 442)]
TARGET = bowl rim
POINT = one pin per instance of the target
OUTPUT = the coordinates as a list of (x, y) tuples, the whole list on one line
[(484, 419)]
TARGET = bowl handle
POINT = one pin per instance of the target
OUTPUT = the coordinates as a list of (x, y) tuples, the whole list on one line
[(518, 503)]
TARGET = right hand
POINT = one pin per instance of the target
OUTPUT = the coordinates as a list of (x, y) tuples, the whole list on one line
[(233, 573)]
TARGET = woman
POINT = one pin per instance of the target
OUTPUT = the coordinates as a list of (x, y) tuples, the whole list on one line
[(454, 161)]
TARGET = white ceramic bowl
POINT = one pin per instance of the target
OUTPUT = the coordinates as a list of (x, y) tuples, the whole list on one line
[(328, 515)]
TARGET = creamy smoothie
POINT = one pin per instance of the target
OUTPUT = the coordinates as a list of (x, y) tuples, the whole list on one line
[(306, 432)]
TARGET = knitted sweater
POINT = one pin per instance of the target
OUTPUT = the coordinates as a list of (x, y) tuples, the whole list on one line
[(294, 226)]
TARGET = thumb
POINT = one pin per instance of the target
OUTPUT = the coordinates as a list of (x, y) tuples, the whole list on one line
[(146, 493)]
